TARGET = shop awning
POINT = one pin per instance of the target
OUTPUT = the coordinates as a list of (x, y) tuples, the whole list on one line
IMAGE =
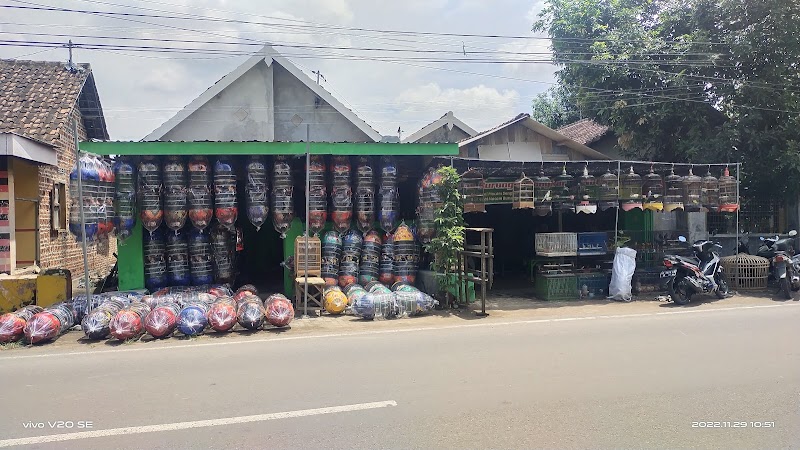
[(12, 144), (267, 148)]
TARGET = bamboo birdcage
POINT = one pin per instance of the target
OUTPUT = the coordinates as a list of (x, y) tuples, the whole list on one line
[(673, 196), (472, 191), (543, 191), (709, 197), (564, 188), (588, 193), (653, 191), (692, 190), (630, 190), (609, 190), (728, 193), (523, 194)]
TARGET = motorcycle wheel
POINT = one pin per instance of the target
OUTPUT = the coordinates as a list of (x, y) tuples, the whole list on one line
[(679, 292), (787, 293), (722, 288)]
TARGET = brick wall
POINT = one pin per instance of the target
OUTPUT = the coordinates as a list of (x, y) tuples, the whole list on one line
[(60, 249)]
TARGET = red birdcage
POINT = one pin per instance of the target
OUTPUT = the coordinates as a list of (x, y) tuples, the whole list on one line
[(728, 192)]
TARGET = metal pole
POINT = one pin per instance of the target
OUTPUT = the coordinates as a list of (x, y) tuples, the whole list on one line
[(616, 220), (740, 206), (82, 216), (308, 189)]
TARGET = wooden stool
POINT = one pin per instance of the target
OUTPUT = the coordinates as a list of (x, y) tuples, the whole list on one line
[(316, 287)]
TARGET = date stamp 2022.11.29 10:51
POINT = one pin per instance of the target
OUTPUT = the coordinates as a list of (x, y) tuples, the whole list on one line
[(734, 424)]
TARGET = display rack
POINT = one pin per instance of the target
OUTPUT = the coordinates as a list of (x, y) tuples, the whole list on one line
[(484, 253)]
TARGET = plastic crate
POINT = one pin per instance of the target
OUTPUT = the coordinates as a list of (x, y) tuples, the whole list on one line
[(594, 243), (593, 285), (557, 244), (556, 287), (647, 281)]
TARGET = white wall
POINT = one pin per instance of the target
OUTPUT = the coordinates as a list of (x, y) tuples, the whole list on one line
[(512, 151)]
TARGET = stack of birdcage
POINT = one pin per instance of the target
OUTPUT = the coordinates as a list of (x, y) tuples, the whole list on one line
[(389, 196), (342, 194), (178, 259), (175, 206), (370, 258), (223, 245), (317, 197), (256, 189), (125, 197), (200, 256), (200, 202), (331, 257), (155, 262), (365, 196), (150, 190), (225, 206), (282, 199)]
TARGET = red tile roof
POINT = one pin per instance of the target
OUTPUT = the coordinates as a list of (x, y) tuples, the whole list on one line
[(584, 131)]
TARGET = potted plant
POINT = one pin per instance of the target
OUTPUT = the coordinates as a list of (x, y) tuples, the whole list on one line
[(448, 240)]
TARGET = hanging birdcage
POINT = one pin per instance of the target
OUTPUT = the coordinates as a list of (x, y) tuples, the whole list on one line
[(471, 187), (728, 192), (630, 190), (709, 197), (609, 190), (543, 191), (653, 191), (588, 193), (692, 189), (564, 187), (673, 196), (523, 195)]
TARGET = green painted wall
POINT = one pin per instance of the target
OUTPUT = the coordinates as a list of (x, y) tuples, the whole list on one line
[(130, 259)]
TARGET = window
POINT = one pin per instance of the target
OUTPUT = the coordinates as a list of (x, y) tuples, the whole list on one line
[(58, 203)]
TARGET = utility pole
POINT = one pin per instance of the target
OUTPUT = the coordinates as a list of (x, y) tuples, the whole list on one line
[(71, 65), (319, 75)]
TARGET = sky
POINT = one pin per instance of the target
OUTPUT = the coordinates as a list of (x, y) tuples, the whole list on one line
[(141, 90)]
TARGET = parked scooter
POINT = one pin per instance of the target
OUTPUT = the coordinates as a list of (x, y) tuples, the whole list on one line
[(700, 275), (784, 264)]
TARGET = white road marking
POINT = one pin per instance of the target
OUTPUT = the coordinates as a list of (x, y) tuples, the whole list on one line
[(194, 424), (117, 351)]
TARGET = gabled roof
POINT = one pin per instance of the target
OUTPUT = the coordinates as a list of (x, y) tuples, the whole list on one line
[(558, 138), (37, 98), (269, 55), (584, 131), (449, 120)]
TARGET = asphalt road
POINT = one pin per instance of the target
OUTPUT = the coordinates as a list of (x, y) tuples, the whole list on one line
[(641, 381)]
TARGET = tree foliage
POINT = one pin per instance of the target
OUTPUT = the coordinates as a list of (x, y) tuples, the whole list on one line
[(448, 242), (554, 108), (688, 80)]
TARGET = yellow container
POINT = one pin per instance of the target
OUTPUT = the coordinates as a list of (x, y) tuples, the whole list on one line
[(17, 291), (53, 286)]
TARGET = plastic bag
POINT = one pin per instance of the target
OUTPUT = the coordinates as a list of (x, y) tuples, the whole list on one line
[(155, 260), (331, 257), (129, 322), (342, 194), (250, 312), (223, 245), (192, 319), (279, 310), (370, 258), (351, 257), (162, 320), (178, 259), (49, 324), (389, 195), (334, 300), (375, 305), (365, 195), (222, 314), (282, 196), (199, 194), (90, 181), (106, 199), (225, 207), (150, 191), (386, 269), (411, 301), (256, 189), (95, 324), (317, 196), (12, 325), (175, 199), (354, 292), (125, 198), (620, 288)]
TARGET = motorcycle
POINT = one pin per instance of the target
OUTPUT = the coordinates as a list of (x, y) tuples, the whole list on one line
[(784, 264), (702, 274)]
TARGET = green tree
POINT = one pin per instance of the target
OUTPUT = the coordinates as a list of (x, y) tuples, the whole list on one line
[(448, 242), (554, 108), (690, 80)]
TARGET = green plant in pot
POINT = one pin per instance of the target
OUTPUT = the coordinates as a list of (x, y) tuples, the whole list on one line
[(448, 241)]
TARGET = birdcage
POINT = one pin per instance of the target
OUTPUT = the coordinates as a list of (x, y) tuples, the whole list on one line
[(543, 194), (673, 196), (709, 197), (653, 191), (564, 188), (588, 193), (692, 190), (609, 190), (471, 187), (630, 190), (523, 196), (728, 192)]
